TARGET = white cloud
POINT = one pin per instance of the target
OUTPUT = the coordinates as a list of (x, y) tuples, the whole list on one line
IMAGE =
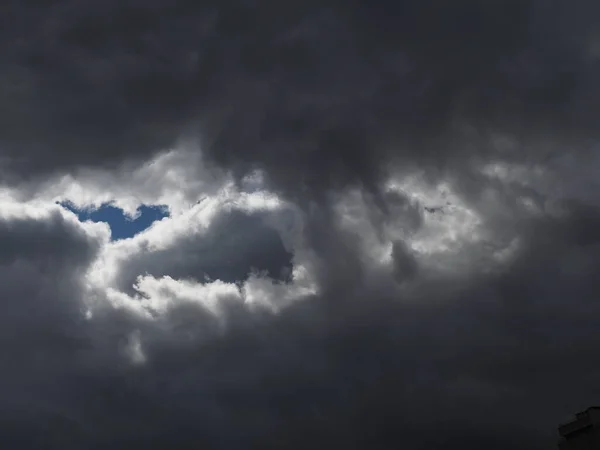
[(177, 178)]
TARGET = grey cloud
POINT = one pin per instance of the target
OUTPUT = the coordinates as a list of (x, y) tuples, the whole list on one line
[(493, 359), (235, 245), (44, 338), (53, 240), (405, 264), (385, 369), (41, 262), (318, 94)]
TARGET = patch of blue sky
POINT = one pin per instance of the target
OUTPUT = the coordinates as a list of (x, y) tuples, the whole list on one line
[(121, 226)]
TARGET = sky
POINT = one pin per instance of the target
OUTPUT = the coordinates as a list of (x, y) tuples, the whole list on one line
[(121, 226), (383, 224)]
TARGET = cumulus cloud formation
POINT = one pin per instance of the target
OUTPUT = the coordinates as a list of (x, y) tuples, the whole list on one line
[(383, 230)]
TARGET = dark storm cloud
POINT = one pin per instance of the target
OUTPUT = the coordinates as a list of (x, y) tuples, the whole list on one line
[(235, 245), (317, 93), (499, 358), (492, 361), (52, 240), (42, 331)]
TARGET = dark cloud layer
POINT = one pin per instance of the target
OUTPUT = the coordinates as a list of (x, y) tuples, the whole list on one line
[(495, 361), (43, 334), (236, 245), (320, 95)]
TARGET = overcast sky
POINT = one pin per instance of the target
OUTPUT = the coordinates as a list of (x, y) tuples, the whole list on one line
[(381, 223)]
